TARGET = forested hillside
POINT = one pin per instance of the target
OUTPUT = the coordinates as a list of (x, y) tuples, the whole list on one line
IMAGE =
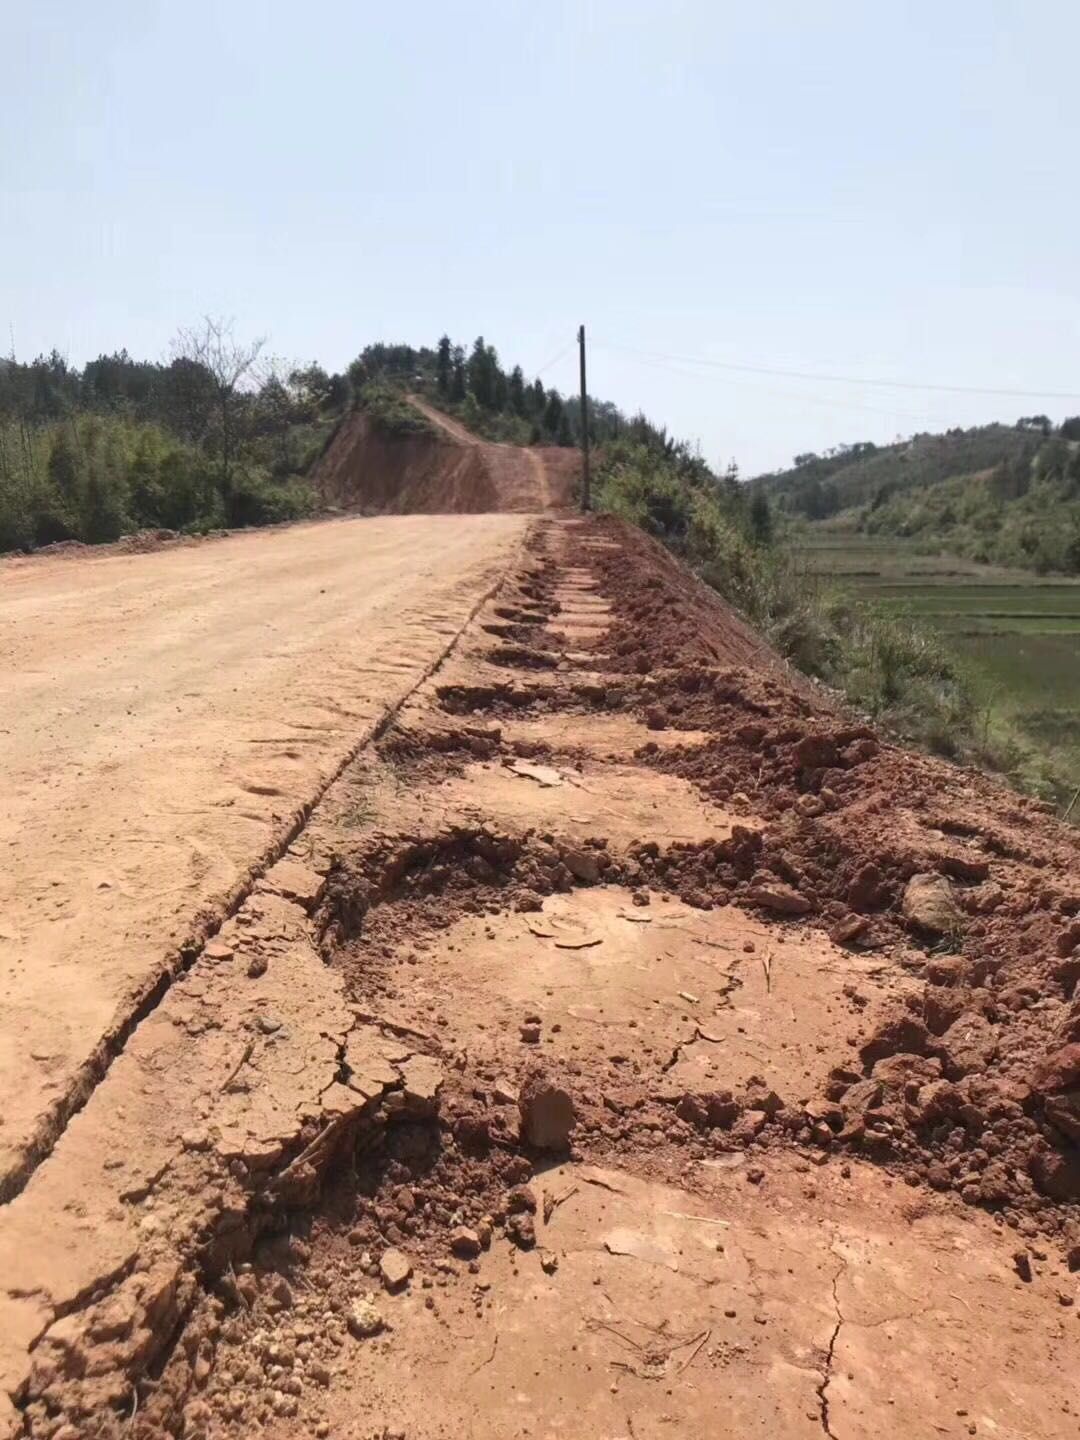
[(1003, 494), (222, 435), (215, 436)]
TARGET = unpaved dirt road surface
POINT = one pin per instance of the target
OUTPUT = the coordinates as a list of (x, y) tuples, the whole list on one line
[(628, 1044), (163, 718)]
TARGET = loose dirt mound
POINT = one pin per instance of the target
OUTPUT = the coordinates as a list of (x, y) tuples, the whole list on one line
[(447, 471)]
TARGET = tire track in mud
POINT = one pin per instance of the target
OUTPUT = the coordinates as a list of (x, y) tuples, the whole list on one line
[(94, 1069)]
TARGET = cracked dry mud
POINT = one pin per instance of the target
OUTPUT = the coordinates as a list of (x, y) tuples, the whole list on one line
[(822, 1174)]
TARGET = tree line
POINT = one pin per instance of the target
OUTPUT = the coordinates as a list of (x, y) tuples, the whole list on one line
[(499, 403), (218, 434)]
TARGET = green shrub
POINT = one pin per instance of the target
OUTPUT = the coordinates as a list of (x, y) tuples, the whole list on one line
[(390, 411), (95, 477), (893, 669)]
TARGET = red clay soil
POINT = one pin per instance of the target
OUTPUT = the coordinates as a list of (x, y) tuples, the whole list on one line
[(448, 471), (632, 1043)]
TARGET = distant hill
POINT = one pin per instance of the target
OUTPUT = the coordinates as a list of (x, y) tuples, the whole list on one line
[(1008, 494)]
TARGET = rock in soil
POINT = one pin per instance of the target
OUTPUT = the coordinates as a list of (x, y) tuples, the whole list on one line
[(365, 1320), (465, 1243), (547, 1113), (395, 1269), (928, 905)]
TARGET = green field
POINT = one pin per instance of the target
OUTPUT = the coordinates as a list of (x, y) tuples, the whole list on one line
[(1019, 633)]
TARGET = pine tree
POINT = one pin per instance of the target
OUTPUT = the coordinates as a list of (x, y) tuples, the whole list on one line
[(443, 365), (761, 521), (457, 376), (501, 391), (515, 391), (483, 370), (553, 412)]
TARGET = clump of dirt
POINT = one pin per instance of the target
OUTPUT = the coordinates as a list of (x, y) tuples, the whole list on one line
[(972, 1088), (523, 657), (414, 1207), (516, 698), (429, 881), (662, 613)]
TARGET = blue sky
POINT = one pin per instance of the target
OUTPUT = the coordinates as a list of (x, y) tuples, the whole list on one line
[(882, 191)]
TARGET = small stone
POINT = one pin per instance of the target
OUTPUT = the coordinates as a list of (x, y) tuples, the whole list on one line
[(850, 929), (422, 1080), (547, 1113), (465, 1243), (521, 1229), (296, 882), (774, 895), (549, 1262), (928, 905), (257, 966), (281, 1294), (810, 806), (364, 1320), (530, 1034), (395, 1269), (584, 865), (1022, 1265)]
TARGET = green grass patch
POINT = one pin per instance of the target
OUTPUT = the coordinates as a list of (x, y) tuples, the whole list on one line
[(1016, 634)]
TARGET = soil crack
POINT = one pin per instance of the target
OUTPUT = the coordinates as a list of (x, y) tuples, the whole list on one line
[(90, 1075), (826, 1376)]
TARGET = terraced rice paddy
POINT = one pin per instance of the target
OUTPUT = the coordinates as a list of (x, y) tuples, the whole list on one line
[(1019, 632)]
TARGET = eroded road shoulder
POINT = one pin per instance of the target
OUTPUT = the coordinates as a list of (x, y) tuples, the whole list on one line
[(593, 1027)]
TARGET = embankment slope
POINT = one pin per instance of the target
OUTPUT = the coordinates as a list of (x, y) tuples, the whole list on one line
[(446, 471)]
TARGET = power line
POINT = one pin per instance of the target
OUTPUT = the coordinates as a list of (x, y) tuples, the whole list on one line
[(557, 357), (830, 402), (842, 379)]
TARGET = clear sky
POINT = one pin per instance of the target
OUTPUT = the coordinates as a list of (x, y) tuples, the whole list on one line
[(841, 187)]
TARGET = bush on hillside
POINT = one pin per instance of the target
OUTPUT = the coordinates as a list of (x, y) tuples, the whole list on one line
[(894, 670), (390, 411), (95, 477)]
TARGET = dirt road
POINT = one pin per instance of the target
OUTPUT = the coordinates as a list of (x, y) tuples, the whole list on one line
[(444, 469), (532, 479), (628, 1044), (163, 718)]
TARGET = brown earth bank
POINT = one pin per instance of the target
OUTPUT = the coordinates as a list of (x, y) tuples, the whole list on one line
[(446, 471), (630, 1043)]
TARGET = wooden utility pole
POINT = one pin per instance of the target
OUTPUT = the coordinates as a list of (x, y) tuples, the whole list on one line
[(585, 496)]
